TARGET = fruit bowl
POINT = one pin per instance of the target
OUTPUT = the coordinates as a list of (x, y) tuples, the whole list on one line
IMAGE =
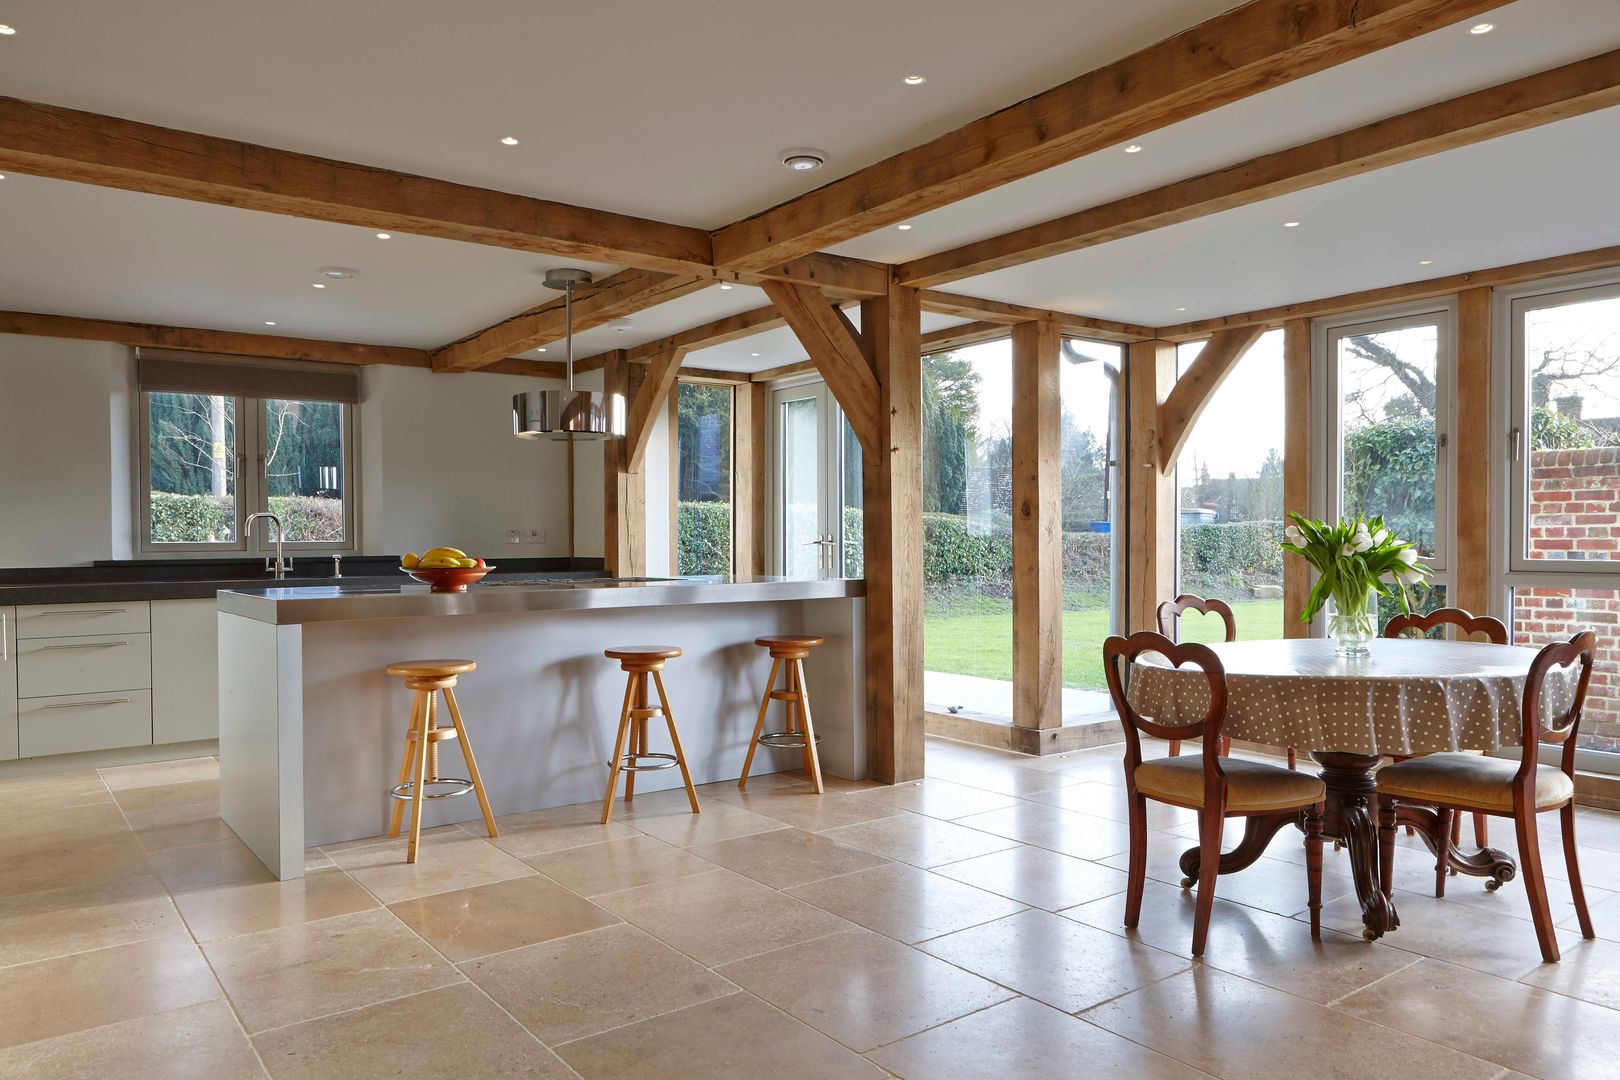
[(447, 578)]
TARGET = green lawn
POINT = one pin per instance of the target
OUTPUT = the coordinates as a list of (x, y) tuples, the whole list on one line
[(975, 638)]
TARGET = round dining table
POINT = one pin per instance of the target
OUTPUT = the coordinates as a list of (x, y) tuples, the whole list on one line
[(1410, 696)]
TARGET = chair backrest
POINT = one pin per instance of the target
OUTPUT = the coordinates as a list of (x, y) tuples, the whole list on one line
[(1467, 623), (1171, 610), (1119, 653), (1579, 649)]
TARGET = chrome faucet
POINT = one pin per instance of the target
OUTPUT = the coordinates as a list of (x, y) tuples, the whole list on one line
[(278, 568)]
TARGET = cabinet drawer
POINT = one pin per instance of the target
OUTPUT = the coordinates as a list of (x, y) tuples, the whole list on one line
[(78, 722), (77, 620), (51, 667)]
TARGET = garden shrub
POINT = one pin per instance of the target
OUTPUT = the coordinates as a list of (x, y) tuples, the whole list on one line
[(194, 519), (703, 538)]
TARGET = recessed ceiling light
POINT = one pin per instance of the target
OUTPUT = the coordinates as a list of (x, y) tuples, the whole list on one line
[(753, 354), (1133, 149), (7, 30), (317, 285), (385, 236), (267, 322), (804, 158), (509, 141), (725, 285), (1181, 309), (1290, 224), (2, 176), (1425, 262), (541, 349), (915, 80), (903, 228), (620, 325), (336, 273), (1481, 28)]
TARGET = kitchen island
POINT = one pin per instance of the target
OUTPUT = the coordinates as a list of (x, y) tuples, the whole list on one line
[(311, 728)]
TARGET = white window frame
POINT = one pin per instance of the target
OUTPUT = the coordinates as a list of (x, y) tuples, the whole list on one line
[(829, 420), (252, 487)]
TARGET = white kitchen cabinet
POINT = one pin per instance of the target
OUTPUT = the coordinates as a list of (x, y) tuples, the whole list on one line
[(8, 683), (78, 722), (82, 620), (185, 670)]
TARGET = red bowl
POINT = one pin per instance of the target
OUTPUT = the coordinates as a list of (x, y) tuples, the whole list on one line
[(448, 578)]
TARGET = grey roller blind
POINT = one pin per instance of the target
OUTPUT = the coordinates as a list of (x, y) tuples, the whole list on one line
[(248, 376)]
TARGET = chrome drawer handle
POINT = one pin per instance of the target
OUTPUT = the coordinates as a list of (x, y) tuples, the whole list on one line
[(86, 611), (85, 645), (87, 704)]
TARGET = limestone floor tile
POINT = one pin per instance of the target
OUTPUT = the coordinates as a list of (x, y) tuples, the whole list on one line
[(316, 859), (1056, 960), (65, 994), (720, 916), (1521, 1027), (76, 918), (578, 986), (296, 973), (786, 857), (177, 826), (938, 798), (56, 791), (1108, 801), (1004, 776), (1258, 945), (230, 910), (802, 808), (1032, 875), (1082, 835), (1164, 860), (372, 841), (444, 862), (1275, 885), (668, 816), (1605, 914), (1589, 970), (1232, 1027), (618, 864), (160, 773), (1455, 933), (99, 859), (920, 841), (737, 1037), (1413, 876), (555, 829), (862, 988), (451, 1032), (1022, 1039), (906, 902), (31, 831), (190, 793), (207, 866), (506, 915), (197, 1042)]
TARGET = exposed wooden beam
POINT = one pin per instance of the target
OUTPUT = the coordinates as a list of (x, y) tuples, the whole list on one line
[(624, 507), (713, 376), (1253, 48), (1297, 465), (956, 337), (825, 334), (748, 464), (622, 294), (1472, 582), (784, 371), (718, 332), (657, 381), (1513, 274), (1150, 531), (999, 311), (1037, 532), (1193, 390), (836, 275), (1572, 90)]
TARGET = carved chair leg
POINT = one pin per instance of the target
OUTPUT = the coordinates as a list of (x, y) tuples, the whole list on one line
[(1136, 870), (1445, 836), (1566, 821), (1481, 832), (1313, 866), (1175, 747), (1535, 883), (1386, 845), (1210, 821), (1226, 746)]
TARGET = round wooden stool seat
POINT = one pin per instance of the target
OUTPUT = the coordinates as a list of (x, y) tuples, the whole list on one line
[(430, 669), (642, 657), (789, 646)]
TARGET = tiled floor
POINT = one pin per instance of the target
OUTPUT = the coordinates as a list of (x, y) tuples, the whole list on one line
[(965, 926)]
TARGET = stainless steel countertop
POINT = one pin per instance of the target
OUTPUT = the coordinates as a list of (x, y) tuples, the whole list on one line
[(333, 603)]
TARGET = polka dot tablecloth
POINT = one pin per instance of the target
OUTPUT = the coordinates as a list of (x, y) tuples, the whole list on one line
[(1412, 696)]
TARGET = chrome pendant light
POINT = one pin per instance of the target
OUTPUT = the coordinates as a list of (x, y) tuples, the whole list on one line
[(569, 413)]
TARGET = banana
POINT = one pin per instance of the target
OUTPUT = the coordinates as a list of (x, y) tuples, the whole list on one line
[(444, 553)]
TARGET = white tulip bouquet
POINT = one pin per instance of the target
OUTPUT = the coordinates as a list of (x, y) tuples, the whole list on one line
[(1355, 560)]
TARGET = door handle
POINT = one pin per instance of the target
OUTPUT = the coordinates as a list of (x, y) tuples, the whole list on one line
[(86, 704), (85, 645), (84, 611)]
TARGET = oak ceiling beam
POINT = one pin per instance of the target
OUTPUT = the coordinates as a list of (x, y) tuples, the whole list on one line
[(1572, 90), (1512, 274), (1261, 45), (999, 311), (622, 294), (957, 337), (648, 403), (827, 336), (1193, 391)]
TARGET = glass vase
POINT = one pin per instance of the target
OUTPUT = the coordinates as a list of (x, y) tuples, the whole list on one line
[(1353, 623)]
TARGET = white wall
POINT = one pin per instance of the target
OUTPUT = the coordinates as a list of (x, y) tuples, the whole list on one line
[(64, 451)]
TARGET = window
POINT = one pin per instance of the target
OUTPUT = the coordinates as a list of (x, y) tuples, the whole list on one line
[(1089, 445), (704, 538), (1229, 491), (202, 420)]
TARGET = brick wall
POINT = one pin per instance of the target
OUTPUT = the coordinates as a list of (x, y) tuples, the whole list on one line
[(1575, 515)]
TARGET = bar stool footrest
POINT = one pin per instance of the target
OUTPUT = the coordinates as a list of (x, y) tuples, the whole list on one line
[(633, 762), (455, 786), (785, 740)]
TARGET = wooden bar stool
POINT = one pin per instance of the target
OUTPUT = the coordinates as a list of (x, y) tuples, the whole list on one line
[(788, 649), (641, 661), (419, 771)]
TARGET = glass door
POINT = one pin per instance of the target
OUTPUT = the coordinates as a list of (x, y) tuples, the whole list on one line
[(806, 490)]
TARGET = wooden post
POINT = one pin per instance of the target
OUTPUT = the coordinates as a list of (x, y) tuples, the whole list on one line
[(1296, 465), (1150, 535), (1471, 574), (1037, 538), (748, 462), (674, 500), (624, 547), (892, 484)]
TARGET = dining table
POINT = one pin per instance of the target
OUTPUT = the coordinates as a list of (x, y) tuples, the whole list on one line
[(1408, 696)]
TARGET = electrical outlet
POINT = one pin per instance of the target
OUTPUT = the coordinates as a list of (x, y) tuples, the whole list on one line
[(535, 536), (514, 536)]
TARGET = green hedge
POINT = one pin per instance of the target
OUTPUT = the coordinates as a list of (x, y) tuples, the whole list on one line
[(1229, 559), (197, 519), (703, 538)]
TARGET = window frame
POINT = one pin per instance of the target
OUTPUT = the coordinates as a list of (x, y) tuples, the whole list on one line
[(252, 487), (675, 468)]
